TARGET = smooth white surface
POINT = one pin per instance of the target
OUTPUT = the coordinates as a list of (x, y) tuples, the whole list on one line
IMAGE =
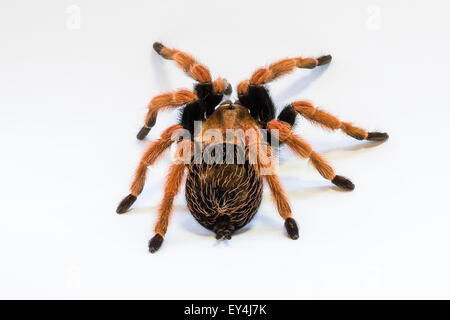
[(72, 101)]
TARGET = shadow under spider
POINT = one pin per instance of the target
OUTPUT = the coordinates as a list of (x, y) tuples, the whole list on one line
[(363, 145), (315, 187), (160, 73)]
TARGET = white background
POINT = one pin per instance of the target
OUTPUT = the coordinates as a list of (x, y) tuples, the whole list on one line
[(72, 100)]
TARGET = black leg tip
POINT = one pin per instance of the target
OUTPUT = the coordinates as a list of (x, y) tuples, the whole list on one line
[(291, 228), (125, 204), (155, 243), (343, 183), (377, 136), (158, 47), (228, 90), (143, 133), (324, 60)]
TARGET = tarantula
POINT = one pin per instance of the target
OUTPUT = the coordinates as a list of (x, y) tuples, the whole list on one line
[(224, 197)]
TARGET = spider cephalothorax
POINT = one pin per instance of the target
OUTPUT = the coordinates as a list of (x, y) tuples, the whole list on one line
[(225, 172)]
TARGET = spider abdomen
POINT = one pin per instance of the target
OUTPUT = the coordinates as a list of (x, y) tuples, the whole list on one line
[(223, 197)]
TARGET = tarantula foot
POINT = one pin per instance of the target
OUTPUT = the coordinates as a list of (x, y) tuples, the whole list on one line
[(125, 204), (377, 136), (158, 47), (324, 60), (155, 243), (343, 183), (291, 228), (143, 133)]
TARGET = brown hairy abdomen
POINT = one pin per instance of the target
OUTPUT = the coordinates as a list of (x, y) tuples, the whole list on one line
[(218, 191)]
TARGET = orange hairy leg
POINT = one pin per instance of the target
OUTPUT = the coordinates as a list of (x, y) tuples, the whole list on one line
[(164, 101), (193, 68), (185, 61), (304, 150), (208, 92), (280, 68), (221, 86), (153, 152), (254, 95), (281, 200), (264, 161), (279, 196), (307, 110), (171, 189)]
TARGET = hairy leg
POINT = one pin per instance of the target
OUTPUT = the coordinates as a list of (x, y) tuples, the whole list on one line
[(284, 209), (208, 93), (252, 93), (164, 101), (326, 120), (206, 97), (280, 68), (153, 152), (264, 160), (165, 210), (185, 61), (304, 150)]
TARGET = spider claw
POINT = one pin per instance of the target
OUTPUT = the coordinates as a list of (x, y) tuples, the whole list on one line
[(291, 228), (324, 60), (377, 136), (155, 243), (125, 204), (343, 183)]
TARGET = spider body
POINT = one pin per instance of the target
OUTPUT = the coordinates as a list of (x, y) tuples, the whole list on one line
[(224, 197), (224, 184)]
